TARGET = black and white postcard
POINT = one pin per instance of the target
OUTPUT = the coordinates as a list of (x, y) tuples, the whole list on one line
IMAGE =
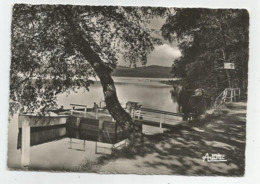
[(119, 89)]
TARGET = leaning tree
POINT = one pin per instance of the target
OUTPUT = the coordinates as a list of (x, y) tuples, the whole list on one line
[(58, 48)]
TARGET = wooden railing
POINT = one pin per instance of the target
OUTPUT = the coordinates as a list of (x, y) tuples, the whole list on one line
[(234, 94), (228, 95), (146, 115), (158, 116), (71, 143), (74, 108)]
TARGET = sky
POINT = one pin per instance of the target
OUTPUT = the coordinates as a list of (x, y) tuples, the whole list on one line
[(162, 55)]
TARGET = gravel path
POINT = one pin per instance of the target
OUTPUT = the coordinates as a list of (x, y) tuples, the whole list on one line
[(180, 151)]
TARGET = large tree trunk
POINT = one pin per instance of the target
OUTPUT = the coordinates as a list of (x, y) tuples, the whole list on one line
[(224, 50), (229, 79), (124, 120)]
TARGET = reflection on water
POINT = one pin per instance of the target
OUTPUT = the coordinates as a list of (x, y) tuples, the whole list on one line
[(40, 135), (58, 147), (62, 147), (148, 92)]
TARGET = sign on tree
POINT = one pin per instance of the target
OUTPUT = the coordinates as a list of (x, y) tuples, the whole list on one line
[(230, 66)]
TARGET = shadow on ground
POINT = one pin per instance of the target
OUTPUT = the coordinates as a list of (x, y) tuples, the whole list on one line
[(180, 151)]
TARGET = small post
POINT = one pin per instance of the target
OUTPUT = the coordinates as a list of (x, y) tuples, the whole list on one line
[(224, 96), (232, 95), (96, 113), (84, 145), (100, 124), (78, 122), (70, 143), (133, 113), (235, 95), (139, 114), (72, 110), (26, 136), (161, 120), (96, 147), (188, 117), (126, 142)]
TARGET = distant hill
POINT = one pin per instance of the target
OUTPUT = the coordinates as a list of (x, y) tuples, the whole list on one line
[(152, 71)]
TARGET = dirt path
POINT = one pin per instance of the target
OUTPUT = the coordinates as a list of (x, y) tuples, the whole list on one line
[(180, 151)]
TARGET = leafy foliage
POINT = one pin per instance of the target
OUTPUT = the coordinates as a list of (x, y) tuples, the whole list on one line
[(45, 60), (208, 38)]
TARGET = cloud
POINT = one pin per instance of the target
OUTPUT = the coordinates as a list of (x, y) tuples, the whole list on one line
[(163, 55)]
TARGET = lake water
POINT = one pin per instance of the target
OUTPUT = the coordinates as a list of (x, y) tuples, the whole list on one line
[(52, 148), (149, 92)]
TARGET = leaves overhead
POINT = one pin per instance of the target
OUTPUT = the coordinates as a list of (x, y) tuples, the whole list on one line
[(45, 60), (208, 38)]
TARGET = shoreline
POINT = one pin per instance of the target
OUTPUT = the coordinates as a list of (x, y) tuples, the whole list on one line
[(171, 82), (175, 151)]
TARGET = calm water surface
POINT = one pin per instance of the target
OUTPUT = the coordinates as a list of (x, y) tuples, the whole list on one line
[(53, 149)]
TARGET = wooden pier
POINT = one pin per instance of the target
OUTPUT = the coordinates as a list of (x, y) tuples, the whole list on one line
[(26, 121), (93, 127), (34, 120), (146, 116), (157, 118), (97, 122), (78, 110)]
